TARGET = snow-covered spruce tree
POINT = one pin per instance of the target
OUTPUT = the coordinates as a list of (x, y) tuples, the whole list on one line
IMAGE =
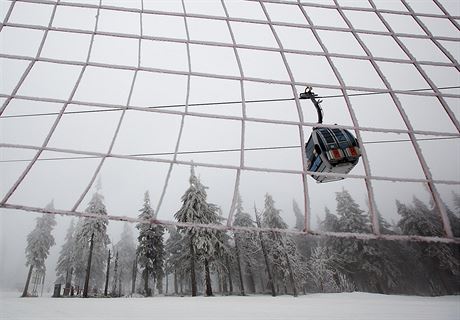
[(263, 247), (299, 216), (246, 247), (454, 218), (204, 243), (80, 255), (39, 242), (324, 270), (351, 217), (224, 261), (146, 250), (174, 248), (287, 263), (367, 263), (304, 244), (126, 248), (454, 215), (441, 261), (66, 260), (85, 229), (177, 257), (325, 263), (159, 256), (330, 222), (418, 219), (456, 201)]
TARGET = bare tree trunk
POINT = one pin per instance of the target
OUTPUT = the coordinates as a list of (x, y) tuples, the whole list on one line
[(262, 282), (176, 291), (88, 267), (252, 281), (67, 284), (229, 274), (26, 287), (159, 281), (68, 281), (134, 276), (167, 283), (119, 286), (207, 278), (238, 262), (222, 283), (116, 276), (146, 282), (192, 268), (43, 284), (107, 273)]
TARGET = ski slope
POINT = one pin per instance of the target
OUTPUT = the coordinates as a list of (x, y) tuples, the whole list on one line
[(338, 306)]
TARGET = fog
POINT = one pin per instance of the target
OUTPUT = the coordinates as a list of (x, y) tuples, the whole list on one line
[(110, 79)]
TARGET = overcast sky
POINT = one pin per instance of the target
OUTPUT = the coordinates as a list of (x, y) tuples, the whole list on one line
[(125, 181)]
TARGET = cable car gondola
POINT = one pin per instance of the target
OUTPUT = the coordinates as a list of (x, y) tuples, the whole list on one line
[(330, 150)]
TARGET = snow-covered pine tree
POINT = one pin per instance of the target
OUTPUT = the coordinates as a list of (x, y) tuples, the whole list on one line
[(351, 217), (126, 248), (304, 244), (368, 263), (330, 222), (85, 229), (177, 257), (299, 216), (440, 260), (287, 263), (454, 215), (80, 255), (246, 247), (145, 248), (204, 243), (66, 260), (456, 201), (158, 257), (39, 242), (324, 270), (384, 226), (263, 247), (418, 219)]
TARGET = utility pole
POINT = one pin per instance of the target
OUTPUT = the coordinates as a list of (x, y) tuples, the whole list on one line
[(107, 275), (88, 267)]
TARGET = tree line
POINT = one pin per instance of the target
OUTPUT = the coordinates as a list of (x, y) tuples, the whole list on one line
[(191, 260)]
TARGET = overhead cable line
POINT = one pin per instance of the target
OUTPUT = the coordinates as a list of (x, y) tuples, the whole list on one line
[(215, 151), (202, 104)]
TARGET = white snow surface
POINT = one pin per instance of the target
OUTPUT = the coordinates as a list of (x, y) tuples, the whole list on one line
[(355, 306)]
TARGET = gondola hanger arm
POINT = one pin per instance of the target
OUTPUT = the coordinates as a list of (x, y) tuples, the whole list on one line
[(309, 94)]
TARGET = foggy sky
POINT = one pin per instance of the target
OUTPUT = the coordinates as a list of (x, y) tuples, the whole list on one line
[(125, 181)]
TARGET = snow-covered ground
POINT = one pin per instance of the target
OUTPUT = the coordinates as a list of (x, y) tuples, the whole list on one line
[(353, 306)]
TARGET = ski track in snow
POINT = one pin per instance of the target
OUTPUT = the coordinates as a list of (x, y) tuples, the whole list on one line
[(339, 306)]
